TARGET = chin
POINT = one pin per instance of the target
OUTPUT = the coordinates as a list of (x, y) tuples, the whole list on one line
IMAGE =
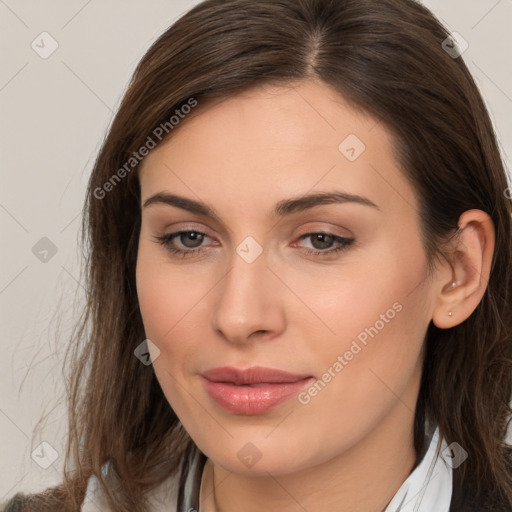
[(261, 457)]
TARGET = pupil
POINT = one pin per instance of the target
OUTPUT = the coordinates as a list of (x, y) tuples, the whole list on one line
[(322, 241), (191, 239)]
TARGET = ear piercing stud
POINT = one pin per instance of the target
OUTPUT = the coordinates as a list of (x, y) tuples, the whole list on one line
[(454, 284)]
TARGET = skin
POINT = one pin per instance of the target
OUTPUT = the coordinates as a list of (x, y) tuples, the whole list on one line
[(293, 310)]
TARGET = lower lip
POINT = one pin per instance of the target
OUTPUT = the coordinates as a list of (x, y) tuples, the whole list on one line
[(255, 399)]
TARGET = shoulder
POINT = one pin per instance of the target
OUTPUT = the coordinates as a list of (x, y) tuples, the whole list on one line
[(15, 504), (159, 499), (180, 487), (45, 501), (95, 500), (168, 495)]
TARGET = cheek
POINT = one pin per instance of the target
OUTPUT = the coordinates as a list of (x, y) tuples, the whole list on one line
[(379, 316), (364, 293), (374, 314), (167, 295), (168, 303)]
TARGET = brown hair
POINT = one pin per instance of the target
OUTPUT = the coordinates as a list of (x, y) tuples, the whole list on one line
[(385, 57)]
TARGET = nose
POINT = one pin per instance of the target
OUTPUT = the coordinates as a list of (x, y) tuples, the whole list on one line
[(248, 302)]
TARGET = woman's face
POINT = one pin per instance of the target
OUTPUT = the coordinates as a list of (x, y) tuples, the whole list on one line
[(296, 247)]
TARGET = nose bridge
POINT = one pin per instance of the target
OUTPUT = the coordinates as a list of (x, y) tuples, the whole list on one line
[(247, 299)]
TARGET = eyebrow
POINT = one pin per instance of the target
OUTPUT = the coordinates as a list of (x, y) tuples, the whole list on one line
[(282, 208)]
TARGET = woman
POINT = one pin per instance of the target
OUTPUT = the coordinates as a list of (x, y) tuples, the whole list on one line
[(299, 217)]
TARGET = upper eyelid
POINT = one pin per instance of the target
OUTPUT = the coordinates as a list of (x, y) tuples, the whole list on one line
[(189, 226), (168, 224), (175, 234), (319, 227)]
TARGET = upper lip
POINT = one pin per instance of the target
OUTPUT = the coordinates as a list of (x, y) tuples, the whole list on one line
[(253, 375)]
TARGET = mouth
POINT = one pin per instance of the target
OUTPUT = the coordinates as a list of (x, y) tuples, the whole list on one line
[(253, 390)]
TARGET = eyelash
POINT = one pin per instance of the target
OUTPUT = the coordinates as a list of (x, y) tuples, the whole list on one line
[(166, 241)]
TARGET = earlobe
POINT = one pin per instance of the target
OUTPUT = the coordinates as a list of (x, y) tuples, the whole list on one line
[(470, 262)]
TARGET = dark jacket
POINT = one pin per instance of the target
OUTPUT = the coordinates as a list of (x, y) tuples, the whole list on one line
[(465, 500)]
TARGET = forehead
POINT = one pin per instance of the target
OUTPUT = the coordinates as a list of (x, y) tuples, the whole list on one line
[(277, 141)]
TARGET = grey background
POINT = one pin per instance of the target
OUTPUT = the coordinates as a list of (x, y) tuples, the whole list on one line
[(55, 112)]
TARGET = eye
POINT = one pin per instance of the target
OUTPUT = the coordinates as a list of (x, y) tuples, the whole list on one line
[(321, 240), (183, 243), (323, 244), (188, 242), (191, 239)]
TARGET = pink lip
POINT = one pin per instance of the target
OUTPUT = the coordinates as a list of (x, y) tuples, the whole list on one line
[(252, 391)]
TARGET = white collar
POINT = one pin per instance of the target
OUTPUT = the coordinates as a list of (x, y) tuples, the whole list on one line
[(429, 486)]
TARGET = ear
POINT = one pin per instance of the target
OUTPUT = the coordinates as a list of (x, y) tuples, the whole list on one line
[(470, 265)]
